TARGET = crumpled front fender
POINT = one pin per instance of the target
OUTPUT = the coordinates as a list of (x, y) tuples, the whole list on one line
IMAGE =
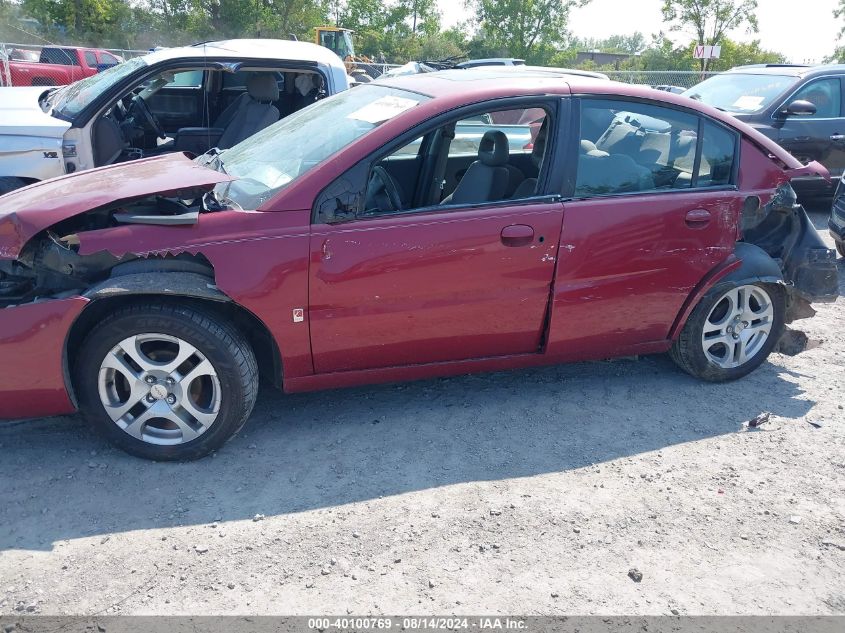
[(33, 377)]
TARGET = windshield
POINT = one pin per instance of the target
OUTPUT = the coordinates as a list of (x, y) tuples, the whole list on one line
[(70, 100), (272, 159), (739, 93)]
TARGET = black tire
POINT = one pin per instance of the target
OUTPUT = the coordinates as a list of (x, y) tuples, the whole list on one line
[(689, 354), (219, 341), (840, 246), (10, 183)]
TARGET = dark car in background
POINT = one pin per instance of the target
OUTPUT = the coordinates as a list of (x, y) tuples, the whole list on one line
[(799, 107)]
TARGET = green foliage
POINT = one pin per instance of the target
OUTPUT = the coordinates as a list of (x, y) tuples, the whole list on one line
[(630, 44), (530, 29), (397, 30), (742, 53), (839, 54), (710, 20)]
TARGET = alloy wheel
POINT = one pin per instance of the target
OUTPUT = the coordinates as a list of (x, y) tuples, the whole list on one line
[(738, 326), (159, 389)]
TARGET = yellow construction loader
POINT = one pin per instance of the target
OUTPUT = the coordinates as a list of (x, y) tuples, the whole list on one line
[(339, 40)]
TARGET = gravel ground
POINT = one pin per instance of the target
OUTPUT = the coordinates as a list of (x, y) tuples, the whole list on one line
[(619, 487)]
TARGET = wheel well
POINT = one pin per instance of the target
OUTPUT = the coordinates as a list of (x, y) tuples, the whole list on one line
[(263, 344)]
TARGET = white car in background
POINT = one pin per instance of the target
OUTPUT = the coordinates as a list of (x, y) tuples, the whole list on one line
[(191, 99)]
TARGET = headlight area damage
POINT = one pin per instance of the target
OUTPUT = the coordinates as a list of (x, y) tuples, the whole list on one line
[(46, 282), (783, 230)]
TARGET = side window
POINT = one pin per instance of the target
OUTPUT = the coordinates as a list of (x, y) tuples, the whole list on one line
[(718, 149), (488, 157), (61, 56), (630, 147), (825, 94), (186, 79), (90, 59), (108, 58)]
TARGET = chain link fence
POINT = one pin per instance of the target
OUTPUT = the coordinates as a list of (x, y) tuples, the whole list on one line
[(660, 78), (55, 65)]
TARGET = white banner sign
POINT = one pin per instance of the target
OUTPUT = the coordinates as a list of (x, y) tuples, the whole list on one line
[(707, 52)]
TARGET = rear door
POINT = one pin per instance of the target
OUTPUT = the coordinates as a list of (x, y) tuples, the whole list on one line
[(652, 213), (821, 136)]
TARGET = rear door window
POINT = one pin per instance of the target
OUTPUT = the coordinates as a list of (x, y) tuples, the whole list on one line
[(90, 59), (718, 153), (629, 147)]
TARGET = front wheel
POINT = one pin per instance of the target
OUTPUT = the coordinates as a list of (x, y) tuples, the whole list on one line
[(166, 382), (731, 331)]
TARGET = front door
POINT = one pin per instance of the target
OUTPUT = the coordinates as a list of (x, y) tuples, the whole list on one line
[(434, 286), (821, 136)]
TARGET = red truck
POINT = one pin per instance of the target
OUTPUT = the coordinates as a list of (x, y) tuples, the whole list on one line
[(56, 66)]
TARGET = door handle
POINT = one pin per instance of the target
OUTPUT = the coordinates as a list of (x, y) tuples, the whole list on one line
[(837, 137), (697, 218), (517, 235)]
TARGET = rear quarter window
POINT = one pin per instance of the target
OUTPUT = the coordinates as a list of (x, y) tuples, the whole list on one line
[(61, 56)]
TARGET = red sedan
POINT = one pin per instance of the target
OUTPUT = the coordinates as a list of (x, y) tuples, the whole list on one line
[(397, 231)]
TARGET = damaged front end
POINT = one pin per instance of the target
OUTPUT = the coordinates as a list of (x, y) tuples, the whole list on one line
[(50, 265), (47, 278), (783, 230), (40, 225)]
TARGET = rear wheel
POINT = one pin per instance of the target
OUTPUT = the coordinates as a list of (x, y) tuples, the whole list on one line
[(166, 382), (731, 331)]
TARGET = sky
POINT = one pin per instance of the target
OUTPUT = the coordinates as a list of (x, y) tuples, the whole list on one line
[(804, 31)]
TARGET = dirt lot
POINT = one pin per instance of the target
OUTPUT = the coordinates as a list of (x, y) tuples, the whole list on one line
[(527, 492)]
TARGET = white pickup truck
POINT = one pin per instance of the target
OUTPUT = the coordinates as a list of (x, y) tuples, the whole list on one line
[(178, 99)]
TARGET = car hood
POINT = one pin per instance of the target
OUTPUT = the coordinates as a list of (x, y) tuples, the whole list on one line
[(20, 114), (28, 211)]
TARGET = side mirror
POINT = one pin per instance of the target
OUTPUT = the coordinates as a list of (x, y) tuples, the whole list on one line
[(799, 108)]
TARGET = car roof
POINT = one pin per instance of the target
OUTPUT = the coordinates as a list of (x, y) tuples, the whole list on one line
[(480, 82), (268, 49), (787, 70)]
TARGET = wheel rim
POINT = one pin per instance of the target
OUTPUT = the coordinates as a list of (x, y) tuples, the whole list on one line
[(738, 326), (159, 389)]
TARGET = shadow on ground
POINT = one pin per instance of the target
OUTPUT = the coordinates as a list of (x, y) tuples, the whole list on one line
[(307, 451)]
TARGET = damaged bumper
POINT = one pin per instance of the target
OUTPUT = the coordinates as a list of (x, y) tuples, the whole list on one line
[(33, 376), (785, 232)]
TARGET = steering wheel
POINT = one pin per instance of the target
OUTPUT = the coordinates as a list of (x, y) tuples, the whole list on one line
[(382, 188), (141, 106)]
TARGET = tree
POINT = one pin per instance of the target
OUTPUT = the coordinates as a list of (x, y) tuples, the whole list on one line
[(529, 29), (839, 53), (630, 44), (80, 20), (710, 20), (743, 53)]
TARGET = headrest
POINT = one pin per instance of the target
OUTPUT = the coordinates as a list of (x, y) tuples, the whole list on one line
[(262, 87), (589, 148), (539, 149), (494, 149)]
